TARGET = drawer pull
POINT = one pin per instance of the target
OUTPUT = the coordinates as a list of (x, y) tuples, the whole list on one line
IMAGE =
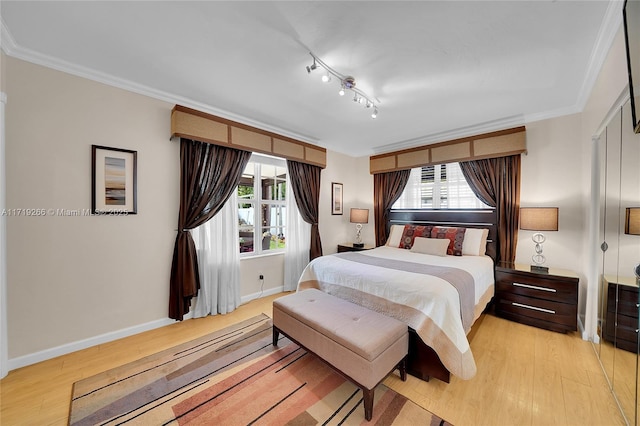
[(535, 287), (535, 308)]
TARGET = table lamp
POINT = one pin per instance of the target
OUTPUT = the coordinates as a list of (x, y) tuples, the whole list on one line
[(539, 219), (359, 216)]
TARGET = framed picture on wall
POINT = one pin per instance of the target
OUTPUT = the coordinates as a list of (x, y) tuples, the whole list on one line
[(336, 198), (113, 181)]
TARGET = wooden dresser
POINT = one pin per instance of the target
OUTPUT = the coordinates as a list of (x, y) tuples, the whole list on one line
[(623, 331), (548, 301)]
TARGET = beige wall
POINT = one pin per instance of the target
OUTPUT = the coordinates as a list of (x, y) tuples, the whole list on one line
[(72, 278), (552, 173), (353, 173), (270, 266)]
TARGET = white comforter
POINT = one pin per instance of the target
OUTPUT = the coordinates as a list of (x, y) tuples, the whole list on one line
[(428, 304)]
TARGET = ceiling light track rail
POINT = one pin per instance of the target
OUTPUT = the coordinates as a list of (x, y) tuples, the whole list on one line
[(347, 82)]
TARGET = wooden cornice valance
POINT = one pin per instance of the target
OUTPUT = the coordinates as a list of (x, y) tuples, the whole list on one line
[(192, 124), (488, 145)]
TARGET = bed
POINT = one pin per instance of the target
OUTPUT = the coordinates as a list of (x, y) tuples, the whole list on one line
[(421, 282)]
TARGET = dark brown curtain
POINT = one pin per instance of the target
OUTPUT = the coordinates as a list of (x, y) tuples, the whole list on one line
[(387, 188), (496, 181), (208, 176), (305, 183)]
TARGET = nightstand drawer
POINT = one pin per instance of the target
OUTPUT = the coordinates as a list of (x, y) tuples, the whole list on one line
[(562, 314), (547, 301), (622, 317), (624, 329), (537, 286), (627, 300)]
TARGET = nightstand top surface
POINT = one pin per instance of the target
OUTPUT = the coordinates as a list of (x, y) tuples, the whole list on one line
[(527, 268), (366, 246), (613, 279)]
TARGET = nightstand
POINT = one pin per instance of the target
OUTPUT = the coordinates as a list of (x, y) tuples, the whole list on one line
[(622, 329), (545, 300), (349, 247)]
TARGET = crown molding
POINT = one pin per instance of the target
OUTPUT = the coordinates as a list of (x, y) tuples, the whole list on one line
[(607, 33), (11, 48), (7, 43)]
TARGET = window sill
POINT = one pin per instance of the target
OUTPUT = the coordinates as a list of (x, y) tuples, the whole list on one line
[(257, 256)]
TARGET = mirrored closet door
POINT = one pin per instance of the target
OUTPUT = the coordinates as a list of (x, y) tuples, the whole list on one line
[(619, 300)]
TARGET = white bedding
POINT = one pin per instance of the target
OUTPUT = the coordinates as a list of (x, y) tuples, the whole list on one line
[(428, 304)]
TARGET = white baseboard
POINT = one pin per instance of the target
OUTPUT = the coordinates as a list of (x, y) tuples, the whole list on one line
[(258, 295), (46, 354)]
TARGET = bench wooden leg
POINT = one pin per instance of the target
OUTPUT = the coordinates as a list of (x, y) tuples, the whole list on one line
[(367, 396), (402, 366), (276, 334)]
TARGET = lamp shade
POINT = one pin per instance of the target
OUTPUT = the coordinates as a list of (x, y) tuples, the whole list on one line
[(359, 216), (632, 221), (539, 218)]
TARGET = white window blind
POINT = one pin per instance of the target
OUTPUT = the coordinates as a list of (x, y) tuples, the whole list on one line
[(441, 186)]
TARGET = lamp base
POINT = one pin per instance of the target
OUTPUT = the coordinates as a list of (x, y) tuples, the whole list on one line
[(358, 245), (539, 269)]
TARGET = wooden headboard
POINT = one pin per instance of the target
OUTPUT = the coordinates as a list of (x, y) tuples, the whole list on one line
[(481, 218)]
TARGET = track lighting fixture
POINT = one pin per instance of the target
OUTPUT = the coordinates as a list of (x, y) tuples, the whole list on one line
[(347, 82)]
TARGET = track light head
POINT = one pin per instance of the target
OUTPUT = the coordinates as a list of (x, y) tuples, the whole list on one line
[(374, 114), (312, 67), (326, 78)]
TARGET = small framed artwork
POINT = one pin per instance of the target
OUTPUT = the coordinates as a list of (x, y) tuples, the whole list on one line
[(114, 181), (336, 198)]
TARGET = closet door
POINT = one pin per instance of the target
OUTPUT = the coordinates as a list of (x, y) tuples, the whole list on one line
[(626, 373), (619, 151), (609, 152), (626, 354)]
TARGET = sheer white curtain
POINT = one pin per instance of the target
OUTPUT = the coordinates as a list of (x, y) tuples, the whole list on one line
[(411, 197), (298, 242), (218, 262)]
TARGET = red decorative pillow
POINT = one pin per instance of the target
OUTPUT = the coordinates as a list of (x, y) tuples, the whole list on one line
[(454, 235), (410, 232)]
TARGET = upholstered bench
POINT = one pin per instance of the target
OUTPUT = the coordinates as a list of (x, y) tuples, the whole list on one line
[(362, 345)]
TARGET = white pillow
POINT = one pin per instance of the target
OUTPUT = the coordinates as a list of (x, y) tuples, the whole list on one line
[(475, 242), (434, 246), (395, 235)]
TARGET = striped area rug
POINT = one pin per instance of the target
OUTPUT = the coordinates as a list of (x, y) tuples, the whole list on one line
[(234, 376)]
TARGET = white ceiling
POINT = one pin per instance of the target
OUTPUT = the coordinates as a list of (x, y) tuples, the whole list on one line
[(441, 69)]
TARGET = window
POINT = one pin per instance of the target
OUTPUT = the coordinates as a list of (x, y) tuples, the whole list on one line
[(442, 186), (262, 205)]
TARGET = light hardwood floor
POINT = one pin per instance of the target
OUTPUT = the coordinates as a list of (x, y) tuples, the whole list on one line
[(526, 376)]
